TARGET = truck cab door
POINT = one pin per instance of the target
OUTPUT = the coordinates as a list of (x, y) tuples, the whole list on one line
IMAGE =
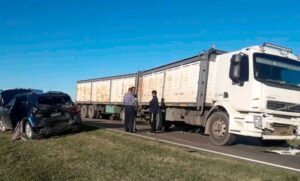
[(240, 90)]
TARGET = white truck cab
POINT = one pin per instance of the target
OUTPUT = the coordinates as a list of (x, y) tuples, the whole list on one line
[(260, 92)]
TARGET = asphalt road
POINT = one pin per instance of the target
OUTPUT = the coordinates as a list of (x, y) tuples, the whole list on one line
[(247, 148)]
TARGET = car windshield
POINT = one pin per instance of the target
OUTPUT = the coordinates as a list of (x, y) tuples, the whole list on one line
[(275, 69)]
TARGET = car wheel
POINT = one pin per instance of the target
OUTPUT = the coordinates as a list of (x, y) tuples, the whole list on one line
[(2, 126), (29, 131), (219, 129)]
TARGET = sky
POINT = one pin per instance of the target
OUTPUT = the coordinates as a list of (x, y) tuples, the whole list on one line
[(51, 44)]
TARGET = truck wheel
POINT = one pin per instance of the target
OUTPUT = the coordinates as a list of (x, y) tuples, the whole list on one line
[(2, 126), (219, 129), (92, 112), (30, 134), (122, 115), (83, 111)]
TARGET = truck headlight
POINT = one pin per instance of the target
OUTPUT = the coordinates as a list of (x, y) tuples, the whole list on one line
[(257, 122)]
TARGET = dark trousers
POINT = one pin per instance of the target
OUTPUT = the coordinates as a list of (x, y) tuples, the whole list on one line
[(129, 118), (153, 121)]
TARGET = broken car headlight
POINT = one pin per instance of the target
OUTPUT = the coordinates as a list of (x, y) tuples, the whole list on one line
[(257, 122)]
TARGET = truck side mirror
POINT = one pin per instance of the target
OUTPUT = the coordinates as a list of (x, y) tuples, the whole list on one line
[(237, 63)]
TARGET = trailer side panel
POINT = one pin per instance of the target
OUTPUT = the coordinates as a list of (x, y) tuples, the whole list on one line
[(189, 83), (119, 87), (101, 91), (83, 92), (153, 81), (181, 83)]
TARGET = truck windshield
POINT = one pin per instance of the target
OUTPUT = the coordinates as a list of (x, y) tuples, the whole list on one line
[(277, 70)]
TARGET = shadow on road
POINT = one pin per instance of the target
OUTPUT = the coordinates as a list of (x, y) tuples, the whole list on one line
[(241, 140), (144, 127)]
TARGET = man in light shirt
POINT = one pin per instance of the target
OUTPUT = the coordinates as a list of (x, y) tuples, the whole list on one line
[(129, 101), (135, 107)]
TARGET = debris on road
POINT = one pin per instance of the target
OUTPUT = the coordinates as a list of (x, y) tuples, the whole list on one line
[(289, 151)]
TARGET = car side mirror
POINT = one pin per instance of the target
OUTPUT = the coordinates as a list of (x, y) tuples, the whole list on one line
[(235, 71)]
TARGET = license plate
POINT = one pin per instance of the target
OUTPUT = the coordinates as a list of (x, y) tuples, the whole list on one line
[(56, 114)]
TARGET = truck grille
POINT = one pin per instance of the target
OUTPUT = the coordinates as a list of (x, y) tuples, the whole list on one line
[(283, 106)]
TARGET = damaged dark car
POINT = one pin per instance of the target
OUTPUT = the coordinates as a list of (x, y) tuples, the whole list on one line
[(35, 114)]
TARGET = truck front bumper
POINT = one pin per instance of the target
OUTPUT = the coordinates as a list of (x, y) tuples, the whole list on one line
[(267, 127)]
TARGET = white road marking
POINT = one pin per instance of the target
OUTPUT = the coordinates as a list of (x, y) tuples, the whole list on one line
[(205, 150)]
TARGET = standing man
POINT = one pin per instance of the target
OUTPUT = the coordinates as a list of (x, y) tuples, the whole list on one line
[(135, 107), (129, 101), (153, 110)]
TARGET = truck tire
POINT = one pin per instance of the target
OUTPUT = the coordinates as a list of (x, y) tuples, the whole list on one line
[(84, 111), (2, 125), (92, 112), (219, 129)]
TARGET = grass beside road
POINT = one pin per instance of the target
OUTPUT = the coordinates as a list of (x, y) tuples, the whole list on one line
[(104, 155)]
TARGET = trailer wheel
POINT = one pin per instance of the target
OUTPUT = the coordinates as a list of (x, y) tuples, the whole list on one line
[(84, 111), (92, 112), (219, 129)]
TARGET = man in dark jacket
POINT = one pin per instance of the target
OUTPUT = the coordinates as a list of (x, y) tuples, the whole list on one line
[(153, 110)]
